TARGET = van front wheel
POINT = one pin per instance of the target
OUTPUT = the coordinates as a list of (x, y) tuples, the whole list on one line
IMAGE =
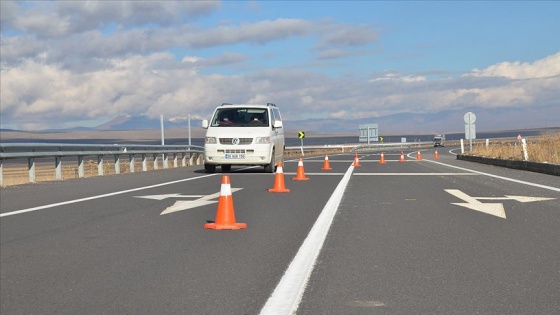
[(270, 168), (210, 168)]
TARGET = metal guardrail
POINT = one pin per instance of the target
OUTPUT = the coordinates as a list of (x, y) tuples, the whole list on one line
[(389, 146), (362, 147), (31, 151), (330, 147)]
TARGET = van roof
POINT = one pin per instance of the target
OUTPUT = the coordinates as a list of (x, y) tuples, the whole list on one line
[(248, 105)]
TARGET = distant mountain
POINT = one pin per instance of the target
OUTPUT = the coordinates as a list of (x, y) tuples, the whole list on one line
[(75, 129), (399, 123), (450, 121), (127, 122), (440, 122)]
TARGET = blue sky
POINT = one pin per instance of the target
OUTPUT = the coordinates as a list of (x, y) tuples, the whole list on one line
[(76, 63)]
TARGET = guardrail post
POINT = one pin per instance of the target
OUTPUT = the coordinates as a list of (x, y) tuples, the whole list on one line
[(80, 166), (175, 160), (155, 162), (58, 167), (524, 148), (117, 164), (165, 160), (31, 168), (131, 162), (183, 159), (144, 163), (1, 172), (199, 159), (100, 165), (191, 159)]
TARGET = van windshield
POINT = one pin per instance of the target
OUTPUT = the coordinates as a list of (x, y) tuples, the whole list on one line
[(240, 117)]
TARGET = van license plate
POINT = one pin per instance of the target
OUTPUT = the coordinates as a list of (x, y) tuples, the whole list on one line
[(235, 156)]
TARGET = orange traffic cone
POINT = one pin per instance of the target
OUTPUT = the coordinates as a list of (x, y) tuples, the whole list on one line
[(418, 156), (356, 161), (382, 160), (225, 215), (402, 157), (279, 181), (300, 175), (326, 165), (436, 155)]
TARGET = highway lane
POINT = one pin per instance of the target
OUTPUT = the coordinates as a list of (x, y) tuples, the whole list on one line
[(117, 254), (398, 244), (401, 246)]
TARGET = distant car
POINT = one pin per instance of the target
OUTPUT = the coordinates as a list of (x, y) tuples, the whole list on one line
[(439, 141)]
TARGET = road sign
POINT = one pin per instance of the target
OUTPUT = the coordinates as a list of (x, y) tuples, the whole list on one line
[(301, 134), (470, 131), (368, 132), (469, 118)]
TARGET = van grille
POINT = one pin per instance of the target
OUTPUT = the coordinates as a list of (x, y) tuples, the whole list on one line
[(242, 141), (234, 151)]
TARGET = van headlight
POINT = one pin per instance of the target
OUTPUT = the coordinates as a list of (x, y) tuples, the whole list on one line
[(210, 140), (262, 140)]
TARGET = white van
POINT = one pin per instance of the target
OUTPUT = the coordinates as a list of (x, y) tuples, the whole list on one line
[(244, 135)]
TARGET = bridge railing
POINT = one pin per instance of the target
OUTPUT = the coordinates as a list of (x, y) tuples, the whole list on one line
[(33, 151)]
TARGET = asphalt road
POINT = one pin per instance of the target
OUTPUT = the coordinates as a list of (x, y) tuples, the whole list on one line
[(417, 237)]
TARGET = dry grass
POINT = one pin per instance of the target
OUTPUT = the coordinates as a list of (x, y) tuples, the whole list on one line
[(545, 149)]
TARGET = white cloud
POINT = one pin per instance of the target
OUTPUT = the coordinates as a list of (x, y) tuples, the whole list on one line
[(345, 34), (398, 77), (544, 68), (59, 65), (36, 93), (72, 17), (339, 114)]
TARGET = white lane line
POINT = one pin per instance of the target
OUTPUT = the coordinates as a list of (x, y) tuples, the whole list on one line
[(288, 293), (98, 196), (416, 174), (314, 174), (500, 177)]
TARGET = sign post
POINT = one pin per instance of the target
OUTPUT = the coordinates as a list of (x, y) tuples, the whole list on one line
[(470, 130), (301, 135)]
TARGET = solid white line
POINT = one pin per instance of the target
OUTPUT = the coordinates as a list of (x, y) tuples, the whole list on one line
[(314, 174), (98, 196), (500, 177), (288, 293), (416, 174)]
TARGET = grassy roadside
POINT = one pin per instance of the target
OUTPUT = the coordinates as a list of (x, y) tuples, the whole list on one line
[(544, 149)]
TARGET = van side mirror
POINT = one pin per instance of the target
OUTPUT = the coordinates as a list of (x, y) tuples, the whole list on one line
[(205, 124), (277, 123)]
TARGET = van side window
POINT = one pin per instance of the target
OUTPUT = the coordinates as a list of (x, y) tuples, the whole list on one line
[(276, 114)]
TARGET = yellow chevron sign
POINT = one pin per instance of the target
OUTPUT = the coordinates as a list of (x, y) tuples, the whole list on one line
[(301, 134)]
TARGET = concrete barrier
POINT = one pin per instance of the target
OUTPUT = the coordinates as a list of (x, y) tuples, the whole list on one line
[(545, 168)]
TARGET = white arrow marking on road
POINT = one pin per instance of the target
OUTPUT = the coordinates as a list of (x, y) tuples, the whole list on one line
[(161, 197), (495, 209), (189, 204), (516, 198)]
